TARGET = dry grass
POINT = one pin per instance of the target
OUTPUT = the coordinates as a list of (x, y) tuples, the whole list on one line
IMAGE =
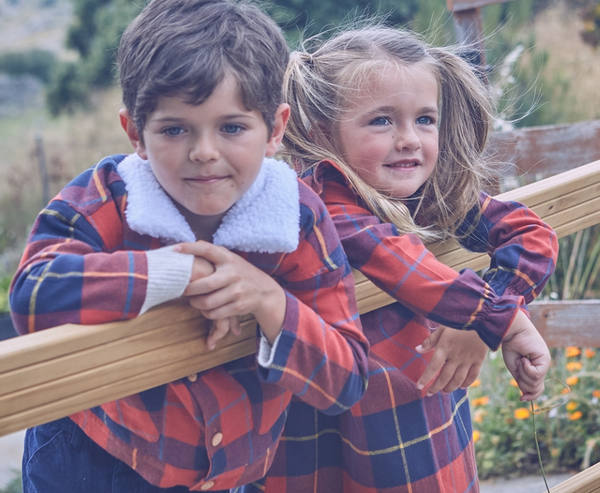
[(557, 31), (72, 143)]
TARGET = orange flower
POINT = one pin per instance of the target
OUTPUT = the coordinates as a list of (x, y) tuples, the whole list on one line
[(572, 380), (476, 435), (590, 353), (572, 351), (481, 401), (575, 416), (564, 391), (522, 413), (596, 393), (571, 406), (574, 366), (478, 416), (476, 383), (513, 382)]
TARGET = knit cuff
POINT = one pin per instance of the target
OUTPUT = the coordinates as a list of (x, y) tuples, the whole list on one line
[(169, 274)]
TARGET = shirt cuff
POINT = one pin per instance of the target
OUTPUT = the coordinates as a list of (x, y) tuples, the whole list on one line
[(169, 274), (266, 352)]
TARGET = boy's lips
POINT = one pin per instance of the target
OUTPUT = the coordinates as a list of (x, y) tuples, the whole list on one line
[(205, 179)]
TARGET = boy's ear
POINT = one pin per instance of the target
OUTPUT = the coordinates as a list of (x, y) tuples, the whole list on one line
[(282, 116), (132, 133)]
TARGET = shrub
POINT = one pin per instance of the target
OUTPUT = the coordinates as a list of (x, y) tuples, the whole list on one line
[(39, 63)]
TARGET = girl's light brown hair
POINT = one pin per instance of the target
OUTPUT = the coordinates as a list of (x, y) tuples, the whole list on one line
[(319, 82)]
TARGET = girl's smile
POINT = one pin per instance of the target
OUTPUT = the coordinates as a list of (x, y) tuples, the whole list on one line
[(388, 134)]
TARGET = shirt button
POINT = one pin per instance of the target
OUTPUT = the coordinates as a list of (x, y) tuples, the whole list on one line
[(193, 377), (207, 486), (216, 439)]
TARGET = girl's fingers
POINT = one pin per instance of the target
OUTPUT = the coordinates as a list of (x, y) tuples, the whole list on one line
[(212, 253), (219, 329)]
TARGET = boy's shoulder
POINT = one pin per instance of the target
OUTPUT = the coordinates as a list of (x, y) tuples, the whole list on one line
[(95, 187)]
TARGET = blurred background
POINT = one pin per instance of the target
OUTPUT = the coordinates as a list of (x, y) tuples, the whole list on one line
[(59, 115)]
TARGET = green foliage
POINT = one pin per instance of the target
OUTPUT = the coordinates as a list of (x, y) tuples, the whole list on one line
[(68, 90), (313, 16), (95, 34), (14, 486), (38, 63), (568, 433), (4, 285)]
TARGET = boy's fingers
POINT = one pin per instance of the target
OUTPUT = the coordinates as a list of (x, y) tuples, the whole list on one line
[(236, 328), (212, 253), (218, 330)]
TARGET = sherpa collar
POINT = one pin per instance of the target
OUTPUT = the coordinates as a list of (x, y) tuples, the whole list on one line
[(265, 219)]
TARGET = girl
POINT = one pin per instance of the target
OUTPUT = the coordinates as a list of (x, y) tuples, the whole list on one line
[(391, 134)]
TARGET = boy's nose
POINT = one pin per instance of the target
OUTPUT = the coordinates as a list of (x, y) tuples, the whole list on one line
[(205, 150)]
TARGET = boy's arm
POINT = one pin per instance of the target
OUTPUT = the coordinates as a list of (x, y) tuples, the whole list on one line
[(321, 354), (73, 271)]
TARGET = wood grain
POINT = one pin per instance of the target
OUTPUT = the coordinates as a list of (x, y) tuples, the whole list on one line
[(59, 371)]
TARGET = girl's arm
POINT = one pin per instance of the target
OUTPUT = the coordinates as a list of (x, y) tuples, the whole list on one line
[(523, 249)]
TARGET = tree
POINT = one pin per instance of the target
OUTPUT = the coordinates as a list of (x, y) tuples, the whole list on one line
[(98, 26)]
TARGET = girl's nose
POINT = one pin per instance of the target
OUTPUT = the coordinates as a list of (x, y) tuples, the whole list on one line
[(205, 150), (407, 138)]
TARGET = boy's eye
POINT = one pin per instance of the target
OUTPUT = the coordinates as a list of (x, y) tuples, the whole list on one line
[(425, 120), (173, 131), (380, 120), (232, 128)]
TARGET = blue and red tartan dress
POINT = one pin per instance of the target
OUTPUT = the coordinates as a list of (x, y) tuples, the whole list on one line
[(84, 263), (396, 439)]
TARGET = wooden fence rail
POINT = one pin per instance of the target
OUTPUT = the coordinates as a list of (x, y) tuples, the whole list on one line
[(59, 371)]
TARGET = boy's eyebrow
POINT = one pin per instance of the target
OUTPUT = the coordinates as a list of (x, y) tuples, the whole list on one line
[(232, 116)]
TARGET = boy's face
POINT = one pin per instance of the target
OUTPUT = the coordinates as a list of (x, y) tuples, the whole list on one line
[(206, 156)]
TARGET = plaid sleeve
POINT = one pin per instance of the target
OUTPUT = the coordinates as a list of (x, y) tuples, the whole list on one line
[(69, 250), (402, 266), (522, 247), (321, 355)]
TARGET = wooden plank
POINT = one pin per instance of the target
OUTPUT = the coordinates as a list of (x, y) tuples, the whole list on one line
[(41, 375), (567, 323), (546, 150), (460, 5), (587, 481)]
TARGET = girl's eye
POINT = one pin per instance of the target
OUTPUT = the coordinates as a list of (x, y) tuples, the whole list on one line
[(380, 120), (232, 128), (425, 120), (173, 131)]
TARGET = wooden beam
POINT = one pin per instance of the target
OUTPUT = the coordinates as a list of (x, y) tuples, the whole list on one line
[(567, 323), (546, 150), (460, 5), (59, 371), (587, 481)]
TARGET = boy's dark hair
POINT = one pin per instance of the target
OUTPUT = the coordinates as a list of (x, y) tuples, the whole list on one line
[(185, 48)]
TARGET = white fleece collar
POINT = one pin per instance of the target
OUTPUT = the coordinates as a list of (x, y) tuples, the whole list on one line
[(265, 219)]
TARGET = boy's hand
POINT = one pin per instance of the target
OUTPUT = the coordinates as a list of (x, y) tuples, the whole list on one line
[(202, 268), (458, 357), (234, 289), (526, 356)]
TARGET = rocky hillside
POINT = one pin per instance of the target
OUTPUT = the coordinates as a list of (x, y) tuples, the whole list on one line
[(27, 24)]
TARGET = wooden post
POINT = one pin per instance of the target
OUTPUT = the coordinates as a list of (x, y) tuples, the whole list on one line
[(41, 157)]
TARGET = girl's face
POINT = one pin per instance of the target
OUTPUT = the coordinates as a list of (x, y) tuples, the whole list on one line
[(388, 132)]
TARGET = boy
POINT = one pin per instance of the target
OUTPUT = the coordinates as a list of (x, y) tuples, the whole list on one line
[(201, 84)]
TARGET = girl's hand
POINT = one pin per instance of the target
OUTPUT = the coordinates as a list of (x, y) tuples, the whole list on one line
[(526, 356), (457, 360), (234, 289)]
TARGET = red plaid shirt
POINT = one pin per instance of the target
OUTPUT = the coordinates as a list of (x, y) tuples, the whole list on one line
[(395, 439), (84, 265)]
